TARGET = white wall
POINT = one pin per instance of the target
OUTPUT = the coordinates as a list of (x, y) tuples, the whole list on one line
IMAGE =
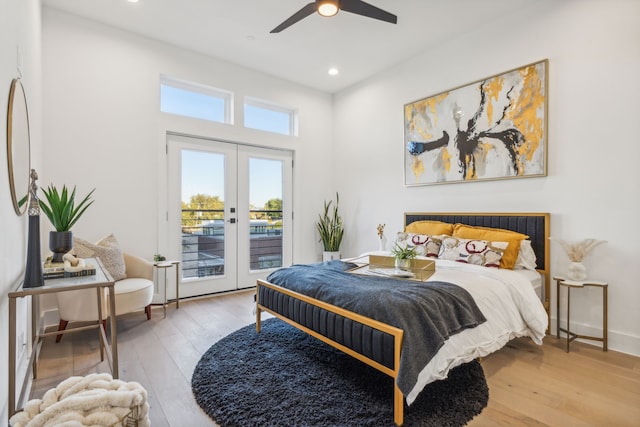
[(593, 185), (101, 130), (103, 127), (19, 26)]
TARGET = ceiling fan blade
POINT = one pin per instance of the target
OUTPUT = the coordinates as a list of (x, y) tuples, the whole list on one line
[(365, 9), (299, 15)]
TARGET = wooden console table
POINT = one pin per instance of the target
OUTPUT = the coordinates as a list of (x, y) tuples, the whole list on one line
[(101, 280)]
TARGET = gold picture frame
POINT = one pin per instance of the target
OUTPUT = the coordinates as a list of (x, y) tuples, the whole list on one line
[(493, 128)]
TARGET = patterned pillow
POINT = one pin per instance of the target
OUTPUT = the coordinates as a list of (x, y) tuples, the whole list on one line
[(470, 251), (496, 235), (425, 244), (108, 250)]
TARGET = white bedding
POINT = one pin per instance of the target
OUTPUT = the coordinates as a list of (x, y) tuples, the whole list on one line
[(509, 303), (534, 278)]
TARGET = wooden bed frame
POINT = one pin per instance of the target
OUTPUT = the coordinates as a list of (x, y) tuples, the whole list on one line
[(309, 314)]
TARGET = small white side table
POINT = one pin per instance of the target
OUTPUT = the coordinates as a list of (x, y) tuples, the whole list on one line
[(561, 281), (164, 265)]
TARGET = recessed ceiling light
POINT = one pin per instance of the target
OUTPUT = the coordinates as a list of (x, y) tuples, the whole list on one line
[(133, 1), (333, 71)]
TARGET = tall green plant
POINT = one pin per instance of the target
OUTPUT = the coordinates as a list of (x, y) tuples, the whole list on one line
[(330, 226), (61, 209)]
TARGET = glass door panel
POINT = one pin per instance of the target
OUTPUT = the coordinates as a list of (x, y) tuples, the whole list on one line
[(201, 215), (265, 213), (265, 198), (203, 219)]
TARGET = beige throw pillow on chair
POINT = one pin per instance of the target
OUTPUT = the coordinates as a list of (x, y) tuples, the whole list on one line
[(109, 252)]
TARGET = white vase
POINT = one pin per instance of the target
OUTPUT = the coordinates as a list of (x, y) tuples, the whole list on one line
[(577, 271), (403, 264), (330, 256)]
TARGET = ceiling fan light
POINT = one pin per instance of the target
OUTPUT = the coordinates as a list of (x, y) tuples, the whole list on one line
[(328, 7)]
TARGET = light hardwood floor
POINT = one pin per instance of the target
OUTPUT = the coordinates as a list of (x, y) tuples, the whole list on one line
[(529, 385)]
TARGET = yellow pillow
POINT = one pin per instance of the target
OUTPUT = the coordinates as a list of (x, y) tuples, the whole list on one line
[(494, 234), (430, 228)]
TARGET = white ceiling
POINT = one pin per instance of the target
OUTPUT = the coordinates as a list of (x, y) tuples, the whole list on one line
[(238, 31)]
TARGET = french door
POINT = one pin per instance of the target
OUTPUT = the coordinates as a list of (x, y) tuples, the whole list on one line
[(230, 213)]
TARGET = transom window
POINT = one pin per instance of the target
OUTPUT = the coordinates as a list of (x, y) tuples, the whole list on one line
[(195, 100), (270, 117)]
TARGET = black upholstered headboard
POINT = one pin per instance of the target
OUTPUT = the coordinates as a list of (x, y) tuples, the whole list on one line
[(535, 225)]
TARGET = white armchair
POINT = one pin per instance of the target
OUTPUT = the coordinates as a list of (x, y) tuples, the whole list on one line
[(133, 293)]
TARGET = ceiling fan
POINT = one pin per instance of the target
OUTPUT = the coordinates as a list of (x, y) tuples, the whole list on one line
[(331, 7)]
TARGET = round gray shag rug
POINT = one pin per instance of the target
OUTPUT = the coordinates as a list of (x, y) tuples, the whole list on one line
[(284, 377)]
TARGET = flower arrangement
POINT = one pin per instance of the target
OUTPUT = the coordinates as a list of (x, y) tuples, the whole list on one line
[(577, 251)]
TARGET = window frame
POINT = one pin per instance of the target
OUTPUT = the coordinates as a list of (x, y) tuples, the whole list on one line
[(292, 113), (201, 89)]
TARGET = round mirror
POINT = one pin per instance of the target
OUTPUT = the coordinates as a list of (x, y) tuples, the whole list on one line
[(18, 146)]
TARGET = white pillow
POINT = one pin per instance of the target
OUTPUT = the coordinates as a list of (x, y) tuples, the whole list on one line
[(526, 257)]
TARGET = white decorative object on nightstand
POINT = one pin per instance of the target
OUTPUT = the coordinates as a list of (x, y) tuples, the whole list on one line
[(576, 253)]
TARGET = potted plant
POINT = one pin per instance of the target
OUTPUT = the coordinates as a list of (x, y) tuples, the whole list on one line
[(331, 230), (61, 209), (403, 255)]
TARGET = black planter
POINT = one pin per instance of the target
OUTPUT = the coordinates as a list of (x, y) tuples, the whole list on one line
[(60, 242)]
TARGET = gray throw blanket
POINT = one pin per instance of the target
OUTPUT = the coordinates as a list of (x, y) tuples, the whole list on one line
[(428, 312)]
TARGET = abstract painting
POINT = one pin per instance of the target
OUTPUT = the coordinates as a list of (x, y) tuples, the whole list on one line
[(495, 128)]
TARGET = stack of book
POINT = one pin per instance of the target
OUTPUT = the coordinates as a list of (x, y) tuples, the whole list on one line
[(55, 270)]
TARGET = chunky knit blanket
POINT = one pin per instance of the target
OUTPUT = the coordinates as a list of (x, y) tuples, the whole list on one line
[(93, 400)]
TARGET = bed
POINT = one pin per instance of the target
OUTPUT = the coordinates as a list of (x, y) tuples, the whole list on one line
[(389, 344)]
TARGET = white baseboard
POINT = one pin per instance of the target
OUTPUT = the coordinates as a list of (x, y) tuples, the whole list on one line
[(618, 341)]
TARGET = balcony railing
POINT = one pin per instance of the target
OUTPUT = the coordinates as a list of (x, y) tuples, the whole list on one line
[(203, 241)]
